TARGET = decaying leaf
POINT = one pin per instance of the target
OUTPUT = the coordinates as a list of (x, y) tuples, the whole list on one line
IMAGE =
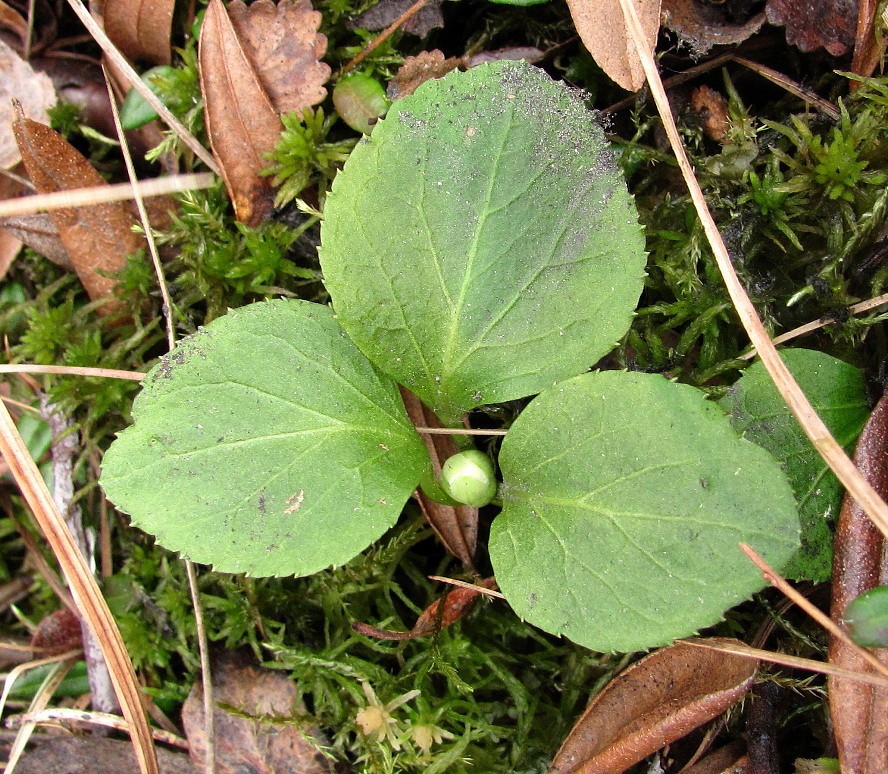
[(89, 754), (652, 703), (259, 731), (860, 561), (284, 46), (603, 31), (40, 234), (813, 24), (141, 29), (529, 54), (241, 121), (703, 25), (57, 632), (869, 47), (443, 612), (456, 525), (385, 12), (418, 69), (97, 238), (33, 90), (730, 759)]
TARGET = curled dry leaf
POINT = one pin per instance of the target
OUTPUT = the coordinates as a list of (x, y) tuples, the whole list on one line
[(603, 31), (97, 238), (529, 54), (730, 759), (33, 90), (813, 24), (262, 734), (56, 633), (418, 69), (385, 12), (869, 47), (652, 703), (40, 234), (284, 46), (456, 525), (241, 121), (141, 29), (443, 612), (703, 25), (860, 562)]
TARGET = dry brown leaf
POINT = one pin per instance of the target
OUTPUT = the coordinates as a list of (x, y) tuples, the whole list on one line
[(418, 69), (529, 54), (730, 759), (10, 243), (703, 25), (385, 12), (57, 633), (13, 22), (860, 562), (813, 24), (456, 602), (456, 525), (603, 31), (652, 703), (284, 46), (254, 739), (141, 29), (97, 238), (33, 90), (241, 121), (89, 754), (40, 234)]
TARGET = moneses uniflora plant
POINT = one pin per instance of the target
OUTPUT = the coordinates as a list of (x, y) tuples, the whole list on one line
[(479, 247)]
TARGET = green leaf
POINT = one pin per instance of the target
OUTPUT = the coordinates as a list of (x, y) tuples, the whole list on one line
[(625, 496), (867, 618), (480, 244), (837, 392), (266, 443)]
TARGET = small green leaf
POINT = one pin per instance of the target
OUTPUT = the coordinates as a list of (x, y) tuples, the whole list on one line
[(624, 498), (837, 392), (266, 443), (135, 112), (867, 618), (480, 244), (360, 101)]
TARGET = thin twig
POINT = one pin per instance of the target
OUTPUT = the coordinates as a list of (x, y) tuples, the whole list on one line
[(136, 82), (465, 585), (202, 643), (813, 426), (65, 715), (776, 580), (809, 327), (83, 197), (458, 431), (824, 106), (383, 36), (105, 373), (143, 215), (821, 667)]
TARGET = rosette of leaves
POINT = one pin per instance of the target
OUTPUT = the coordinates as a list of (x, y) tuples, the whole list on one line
[(479, 246)]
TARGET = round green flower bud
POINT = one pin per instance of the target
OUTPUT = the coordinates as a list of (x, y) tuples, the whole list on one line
[(468, 477)]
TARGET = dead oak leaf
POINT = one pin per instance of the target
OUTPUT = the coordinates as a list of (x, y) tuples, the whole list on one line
[(813, 24), (284, 46)]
